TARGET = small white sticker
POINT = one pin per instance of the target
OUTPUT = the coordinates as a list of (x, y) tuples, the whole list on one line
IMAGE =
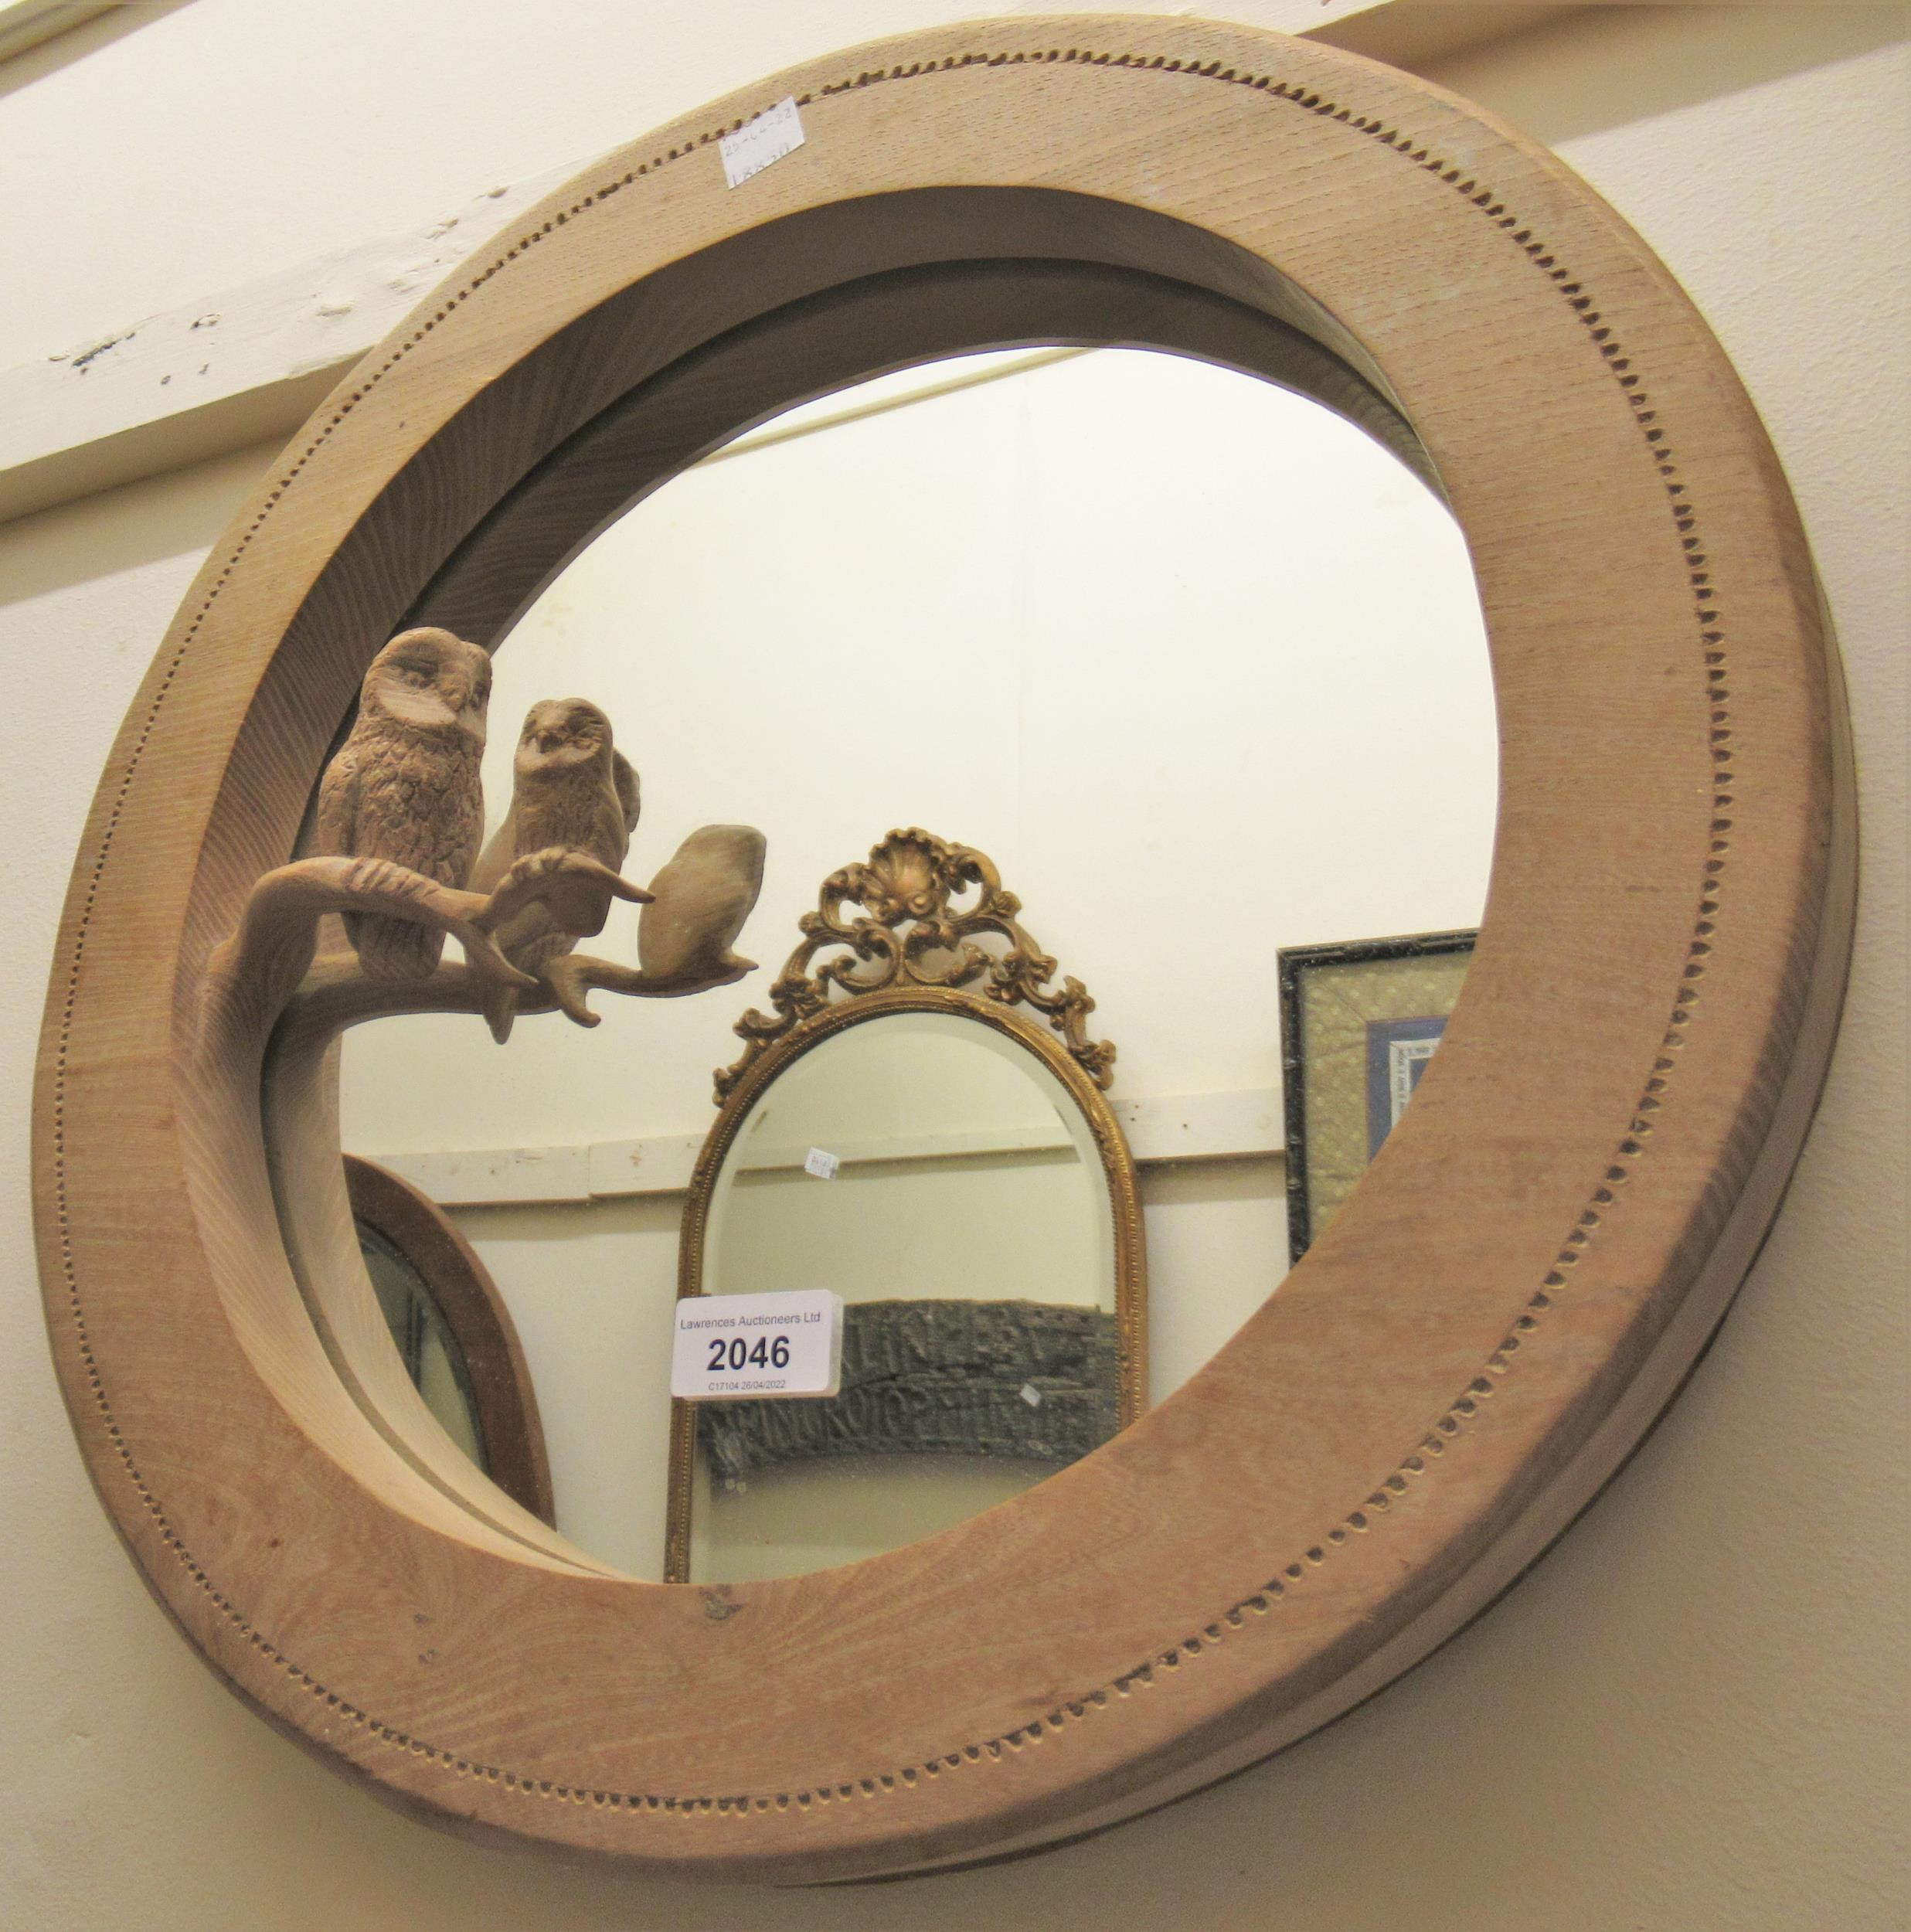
[(758, 1348), (1032, 1395), (822, 1166), (774, 133)]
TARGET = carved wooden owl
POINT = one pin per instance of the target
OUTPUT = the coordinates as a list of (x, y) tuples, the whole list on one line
[(701, 900), (405, 785), (573, 790)]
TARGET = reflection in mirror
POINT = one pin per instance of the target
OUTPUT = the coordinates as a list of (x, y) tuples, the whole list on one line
[(905, 1134), (1201, 661), (426, 1344), (453, 1331), (1360, 1022), (969, 1228)]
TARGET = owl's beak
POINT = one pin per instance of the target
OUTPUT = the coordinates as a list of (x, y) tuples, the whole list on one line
[(470, 714)]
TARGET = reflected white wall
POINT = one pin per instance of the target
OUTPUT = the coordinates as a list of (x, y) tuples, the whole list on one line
[(1199, 666)]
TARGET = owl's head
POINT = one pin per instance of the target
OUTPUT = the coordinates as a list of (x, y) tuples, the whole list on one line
[(561, 734), (429, 681)]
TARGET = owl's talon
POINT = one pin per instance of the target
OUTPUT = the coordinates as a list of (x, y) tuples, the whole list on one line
[(569, 981), (482, 952), (554, 874)]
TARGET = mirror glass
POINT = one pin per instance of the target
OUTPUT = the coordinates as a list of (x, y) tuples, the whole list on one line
[(1200, 664), (968, 1225), (426, 1344)]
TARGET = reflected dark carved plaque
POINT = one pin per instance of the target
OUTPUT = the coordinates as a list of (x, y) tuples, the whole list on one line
[(1022, 1378)]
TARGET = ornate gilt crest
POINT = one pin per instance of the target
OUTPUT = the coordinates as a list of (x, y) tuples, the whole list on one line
[(910, 934)]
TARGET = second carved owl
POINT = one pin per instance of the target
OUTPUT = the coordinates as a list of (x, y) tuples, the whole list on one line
[(573, 790)]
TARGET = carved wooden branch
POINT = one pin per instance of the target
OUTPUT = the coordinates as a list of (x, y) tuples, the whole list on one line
[(335, 994), (261, 966), (270, 970)]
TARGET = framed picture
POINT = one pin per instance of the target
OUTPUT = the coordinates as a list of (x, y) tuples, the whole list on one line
[(1359, 1021)]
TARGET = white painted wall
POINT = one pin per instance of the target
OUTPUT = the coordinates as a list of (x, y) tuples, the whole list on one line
[(222, 139), (1686, 1716)]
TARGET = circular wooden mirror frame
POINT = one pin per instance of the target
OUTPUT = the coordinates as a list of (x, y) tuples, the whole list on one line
[(1491, 1323), (1127, 1246)]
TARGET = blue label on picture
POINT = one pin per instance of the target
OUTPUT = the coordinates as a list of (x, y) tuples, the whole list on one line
[(1397, 1053)]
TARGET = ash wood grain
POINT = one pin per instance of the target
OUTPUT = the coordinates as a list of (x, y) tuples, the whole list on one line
[(1584, 1174)]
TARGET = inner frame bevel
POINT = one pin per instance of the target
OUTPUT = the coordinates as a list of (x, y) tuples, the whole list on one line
[(827, 342)]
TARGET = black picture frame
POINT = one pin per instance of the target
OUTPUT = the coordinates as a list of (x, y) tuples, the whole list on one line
[(1394, 1046)]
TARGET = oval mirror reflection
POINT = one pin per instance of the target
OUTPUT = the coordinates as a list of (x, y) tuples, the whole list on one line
[(932, 1169), (1198, 662)]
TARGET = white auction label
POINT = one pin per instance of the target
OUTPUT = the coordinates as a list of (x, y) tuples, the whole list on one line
[(820, 1162), (776, 132), (758, 1348)]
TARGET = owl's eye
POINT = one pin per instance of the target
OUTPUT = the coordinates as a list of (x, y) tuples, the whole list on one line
[(416, 675)]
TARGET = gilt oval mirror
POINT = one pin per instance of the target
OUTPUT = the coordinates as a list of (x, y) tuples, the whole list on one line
[(977, 1215)]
